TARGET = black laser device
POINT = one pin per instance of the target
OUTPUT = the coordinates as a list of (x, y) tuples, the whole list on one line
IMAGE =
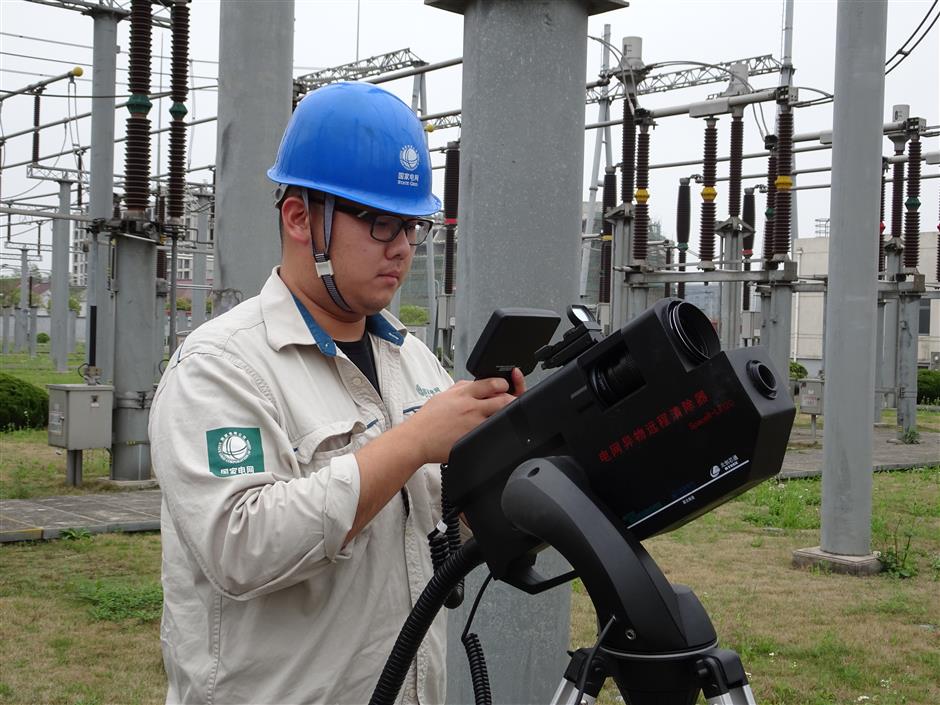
[(662, 423), (637, 434)]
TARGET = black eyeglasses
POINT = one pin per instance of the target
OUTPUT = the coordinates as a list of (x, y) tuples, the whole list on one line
[(385, 227)]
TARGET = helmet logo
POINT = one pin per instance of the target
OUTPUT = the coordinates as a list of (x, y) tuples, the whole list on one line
[(408, 156)]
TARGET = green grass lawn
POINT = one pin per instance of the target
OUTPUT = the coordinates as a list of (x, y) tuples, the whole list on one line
[(79, 617), (40, 370)]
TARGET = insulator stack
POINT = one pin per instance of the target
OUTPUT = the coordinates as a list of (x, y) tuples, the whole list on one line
[(115, 206), (912, 218), (137, 150), (709, 168), (161, 265), (609, 201), (628, 163), (683, 225), (897, 197), (747, 242), (734, 172), (881, 222), (938, 242), (78, 183), (641, 221), (36, 107), (783, 182), (451, 189), (160, 206), (770, 144), (179, 22)]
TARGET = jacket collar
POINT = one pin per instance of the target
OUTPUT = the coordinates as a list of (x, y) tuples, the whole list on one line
[(288, 322)]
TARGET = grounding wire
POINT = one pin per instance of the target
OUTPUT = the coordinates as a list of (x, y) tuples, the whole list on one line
[(908, 52), (476, 603), (901, 51), (118, 95)]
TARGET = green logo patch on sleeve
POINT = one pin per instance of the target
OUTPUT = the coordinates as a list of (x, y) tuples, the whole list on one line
[(235, 451)]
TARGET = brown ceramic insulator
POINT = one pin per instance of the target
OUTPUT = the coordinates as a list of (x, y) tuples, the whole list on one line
[(736, 160), (179, 63), (641, 219), (881, 226), (709, 169), (139, 52), (36, 106), (912, 216), (628, 163), (608, 201), (770, 211), (177, 180), (784, 168), (137, 163), (451, 205)]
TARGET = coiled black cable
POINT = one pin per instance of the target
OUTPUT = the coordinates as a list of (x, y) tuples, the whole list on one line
[(454, 569), (444, 540), (479, 676)]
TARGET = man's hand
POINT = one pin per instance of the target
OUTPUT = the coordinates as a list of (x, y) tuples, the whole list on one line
[(453, 413)]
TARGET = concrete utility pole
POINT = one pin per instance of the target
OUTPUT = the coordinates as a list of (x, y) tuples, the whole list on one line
[(852, 294), (101, 189), (524, 64), (254, 106), (21, 327), (203, 199), (60, 280)]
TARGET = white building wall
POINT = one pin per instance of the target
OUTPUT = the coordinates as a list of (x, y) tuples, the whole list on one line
[(812, 256)]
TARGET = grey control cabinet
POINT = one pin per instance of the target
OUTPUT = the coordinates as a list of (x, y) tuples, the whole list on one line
[(80, 415), (811, 396)]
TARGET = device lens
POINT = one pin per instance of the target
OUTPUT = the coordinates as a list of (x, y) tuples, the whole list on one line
[(763, 378), (616, 379), (694, 331)]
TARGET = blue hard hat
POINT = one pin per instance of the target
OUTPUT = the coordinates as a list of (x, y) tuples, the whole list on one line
[(359, 142)]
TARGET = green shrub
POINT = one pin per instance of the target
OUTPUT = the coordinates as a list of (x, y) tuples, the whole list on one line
[(42, 337), (797, 371), (412, 315), (22, 405), (928, 386)]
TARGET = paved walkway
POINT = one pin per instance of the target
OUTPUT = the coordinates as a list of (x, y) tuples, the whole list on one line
[(46, 518)]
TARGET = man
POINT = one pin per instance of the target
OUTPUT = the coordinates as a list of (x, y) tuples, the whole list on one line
[(297, 438)]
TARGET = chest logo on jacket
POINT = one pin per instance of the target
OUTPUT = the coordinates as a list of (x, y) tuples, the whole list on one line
[(234, 451), (425, 392)]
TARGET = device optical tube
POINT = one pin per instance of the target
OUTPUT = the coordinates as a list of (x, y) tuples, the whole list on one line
[(419, 621), (912, 217)]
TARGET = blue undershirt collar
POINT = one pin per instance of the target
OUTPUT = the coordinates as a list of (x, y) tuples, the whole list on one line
[(375, 324)]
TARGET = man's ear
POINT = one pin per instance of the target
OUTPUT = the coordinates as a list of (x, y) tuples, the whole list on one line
[(294, 220)]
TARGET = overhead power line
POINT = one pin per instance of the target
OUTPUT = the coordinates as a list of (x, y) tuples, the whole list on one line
[(903, 53)]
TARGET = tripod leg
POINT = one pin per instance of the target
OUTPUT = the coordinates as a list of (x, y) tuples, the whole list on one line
[(723, 679), (567, 692)]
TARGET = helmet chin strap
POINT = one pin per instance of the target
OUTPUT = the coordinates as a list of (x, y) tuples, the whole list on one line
[(322, 259)]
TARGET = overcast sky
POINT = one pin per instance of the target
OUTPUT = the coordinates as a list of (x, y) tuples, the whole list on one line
[(326, 32)]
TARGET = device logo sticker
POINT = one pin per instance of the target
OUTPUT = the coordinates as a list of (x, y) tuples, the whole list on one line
[(234, 451), (715, 471)]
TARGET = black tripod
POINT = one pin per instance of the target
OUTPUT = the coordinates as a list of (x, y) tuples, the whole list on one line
[(657, 641)]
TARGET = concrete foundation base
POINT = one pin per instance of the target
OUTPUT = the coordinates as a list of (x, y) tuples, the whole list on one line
[(836, 563), (151, 484)]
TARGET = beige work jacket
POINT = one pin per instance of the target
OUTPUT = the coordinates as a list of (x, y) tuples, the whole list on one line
[(253, 430)]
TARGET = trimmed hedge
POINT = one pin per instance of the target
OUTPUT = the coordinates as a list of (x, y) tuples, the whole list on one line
[(22, 405), (928, 386)]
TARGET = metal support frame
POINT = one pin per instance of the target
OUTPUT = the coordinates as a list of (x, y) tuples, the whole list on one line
[(21, 325), (60, 281), (101, 191), (200, 260)]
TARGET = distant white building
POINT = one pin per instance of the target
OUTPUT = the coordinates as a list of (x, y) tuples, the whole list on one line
[(812, 257)]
